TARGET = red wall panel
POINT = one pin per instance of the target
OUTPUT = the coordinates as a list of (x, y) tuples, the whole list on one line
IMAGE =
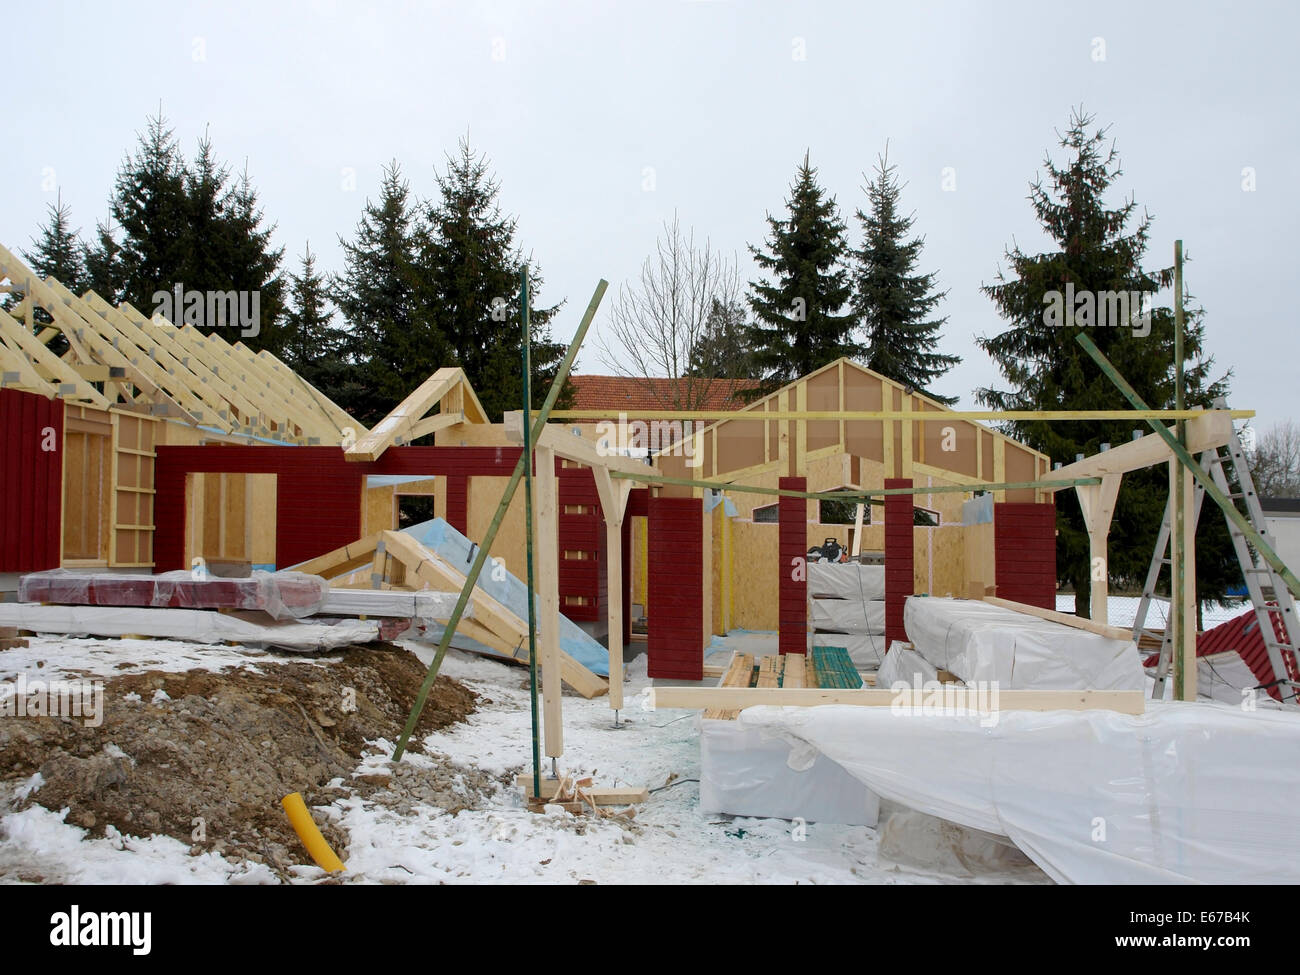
[(31, 481), (792, 585), (898, 557), (1024, 547), (458, 503), (675, 642)]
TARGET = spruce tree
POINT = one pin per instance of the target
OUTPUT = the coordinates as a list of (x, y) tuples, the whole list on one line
[(1096, 250), (146, 244), (801, 322), (174, 224), (315, 346), (723, 351), (59, 251), (250, 264), (894, 303), (471, 263), (394, 345)]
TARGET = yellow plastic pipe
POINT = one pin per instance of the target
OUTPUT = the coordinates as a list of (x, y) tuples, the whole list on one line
[(302, 823)]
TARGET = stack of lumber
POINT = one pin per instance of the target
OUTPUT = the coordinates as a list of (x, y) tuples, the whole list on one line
[(828, 667), (280, 594)]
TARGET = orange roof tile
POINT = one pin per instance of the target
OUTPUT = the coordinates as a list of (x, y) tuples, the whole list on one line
[(615, 393)]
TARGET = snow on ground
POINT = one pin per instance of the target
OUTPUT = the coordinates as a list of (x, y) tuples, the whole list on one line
[(498, 841), (55, 657), (1122, 610)]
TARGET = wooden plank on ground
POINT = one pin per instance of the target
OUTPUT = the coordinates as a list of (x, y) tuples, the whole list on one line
[(738, 674), (794, 670), (970, 699)]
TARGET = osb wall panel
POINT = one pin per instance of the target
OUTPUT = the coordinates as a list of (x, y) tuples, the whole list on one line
[(865, 438), (755, 547), (484, 499), (1021, 466), (940, 560), (740, 445), (85, 479), (978, 554), (378, 510), (822, 392), (964, 437), (719, 569)]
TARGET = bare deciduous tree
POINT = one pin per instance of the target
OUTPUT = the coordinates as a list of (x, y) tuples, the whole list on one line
[(659, 320), (1275, 461)]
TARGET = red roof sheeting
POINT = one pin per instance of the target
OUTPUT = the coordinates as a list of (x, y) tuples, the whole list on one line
[(615, 393), (1241, 633)]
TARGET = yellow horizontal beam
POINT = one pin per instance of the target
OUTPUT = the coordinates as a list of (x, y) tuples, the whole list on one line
[(915, 416)]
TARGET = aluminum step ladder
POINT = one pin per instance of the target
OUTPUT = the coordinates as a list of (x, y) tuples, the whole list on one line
[(1274, 605)]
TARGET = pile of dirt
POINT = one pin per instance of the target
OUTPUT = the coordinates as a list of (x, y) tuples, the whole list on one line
[(206, 757)]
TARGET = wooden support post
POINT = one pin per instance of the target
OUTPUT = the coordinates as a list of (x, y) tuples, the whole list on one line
[(858, 517), (1098, 504), (1182, 566), (613, 504), (546, 506)]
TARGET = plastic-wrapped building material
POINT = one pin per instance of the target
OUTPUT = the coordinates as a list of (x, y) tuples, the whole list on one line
[(902, 663), (1185, 793), (846, 580), (503, 586), (283, 595), (195, 625), (981, 642), (746, 772), (847, 615)]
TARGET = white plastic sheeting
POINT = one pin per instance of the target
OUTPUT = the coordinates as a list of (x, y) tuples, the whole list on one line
[(980, 642), (847, 615), (196, 625), (746, 772), (846, 580), (1184, 793), (902, 663)]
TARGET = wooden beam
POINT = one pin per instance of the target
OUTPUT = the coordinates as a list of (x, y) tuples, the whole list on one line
[(1098, 504), (613, 504), (546, 507), (563, 443), (23, 342), (401, 422), (1078, 622), (1205, 431), (903, 414), (342, 560), (966, 698), (432, 424)]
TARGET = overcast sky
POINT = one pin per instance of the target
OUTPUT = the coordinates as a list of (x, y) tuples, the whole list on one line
[(602, 119)]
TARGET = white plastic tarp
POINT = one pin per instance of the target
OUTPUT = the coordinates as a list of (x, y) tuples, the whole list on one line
[(196, 625), (847, 615), (902, 663), (981, 642), (846, 580), (745, 772), (1185, 793)]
